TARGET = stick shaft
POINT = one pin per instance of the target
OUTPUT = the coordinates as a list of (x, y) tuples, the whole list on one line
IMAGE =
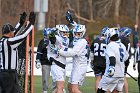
[(131, 76)]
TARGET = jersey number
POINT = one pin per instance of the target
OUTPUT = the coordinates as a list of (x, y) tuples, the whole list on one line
[(121, 54), (101, 50)]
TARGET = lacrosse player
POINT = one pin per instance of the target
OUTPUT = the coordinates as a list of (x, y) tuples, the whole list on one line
[(116, 54), (98, 52), (42, 61), (58, 62), (79, 53), (124, 36)]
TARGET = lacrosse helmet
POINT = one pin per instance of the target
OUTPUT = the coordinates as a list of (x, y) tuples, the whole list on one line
[(112, 32), (104, 31), (46, 31), (62, 30), (125, 31), (79, 31)]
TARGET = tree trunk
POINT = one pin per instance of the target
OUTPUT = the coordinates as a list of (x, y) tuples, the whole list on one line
[(0, 9), (117, 8), (49, 13), (90, 10), (137, 11), (78, 10)]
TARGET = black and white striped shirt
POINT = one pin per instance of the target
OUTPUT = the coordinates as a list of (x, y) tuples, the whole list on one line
[(8, 49)]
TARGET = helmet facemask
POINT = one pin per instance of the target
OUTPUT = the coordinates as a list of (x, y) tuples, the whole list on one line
[(64, 34), (79, 31), (63, 31)]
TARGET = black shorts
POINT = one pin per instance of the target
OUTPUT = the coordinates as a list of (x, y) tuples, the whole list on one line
[(9, 82), (98, 70)]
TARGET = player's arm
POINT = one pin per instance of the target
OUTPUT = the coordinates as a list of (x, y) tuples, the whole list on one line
[(39, 55), (39, 50), (112, 60), (76, 50), (92, 51)]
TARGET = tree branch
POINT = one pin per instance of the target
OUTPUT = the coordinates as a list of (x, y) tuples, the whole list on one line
[(79, 17)]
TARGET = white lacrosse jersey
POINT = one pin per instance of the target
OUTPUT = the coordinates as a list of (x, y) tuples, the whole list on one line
[(78, 52), (117, 50), (60, 42)]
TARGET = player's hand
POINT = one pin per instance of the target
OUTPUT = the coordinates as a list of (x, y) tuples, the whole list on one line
[(51, 59), (134, 67), (38, 64), (32, 18), (69, 17), (111, 71), (22, 18)]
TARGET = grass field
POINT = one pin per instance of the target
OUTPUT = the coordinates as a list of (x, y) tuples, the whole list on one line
[(88, 86)]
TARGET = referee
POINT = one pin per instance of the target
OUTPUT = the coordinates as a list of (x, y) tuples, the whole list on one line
[(8, 54), (137, 59)]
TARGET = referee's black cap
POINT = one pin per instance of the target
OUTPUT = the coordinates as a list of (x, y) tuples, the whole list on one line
[(7, 28)]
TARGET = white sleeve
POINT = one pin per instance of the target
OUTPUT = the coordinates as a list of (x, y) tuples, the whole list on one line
[(76, 50)]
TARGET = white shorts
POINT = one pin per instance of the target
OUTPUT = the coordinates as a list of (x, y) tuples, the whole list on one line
[(78, 74), (58, 73), (111, 83)]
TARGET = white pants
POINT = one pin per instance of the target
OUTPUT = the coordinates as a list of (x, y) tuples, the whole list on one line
[(58, 73), (111, 83), (78, 74)]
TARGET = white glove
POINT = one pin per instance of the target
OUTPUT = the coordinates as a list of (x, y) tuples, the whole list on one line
[(111, 71), (38, 64)]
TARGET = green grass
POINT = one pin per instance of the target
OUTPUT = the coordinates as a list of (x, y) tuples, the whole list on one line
[(88, 86)]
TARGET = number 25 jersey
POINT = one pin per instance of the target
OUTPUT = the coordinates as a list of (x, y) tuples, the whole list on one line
[(98, 49)]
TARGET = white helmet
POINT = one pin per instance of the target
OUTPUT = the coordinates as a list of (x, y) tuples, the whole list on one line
[(81, 29), (62, 30), (111, 32)]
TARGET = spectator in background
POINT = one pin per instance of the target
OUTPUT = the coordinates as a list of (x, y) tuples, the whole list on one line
[(137, 60), (135, 36), (42, 60)]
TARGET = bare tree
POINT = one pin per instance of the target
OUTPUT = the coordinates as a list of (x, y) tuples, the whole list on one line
[(0, 8), (49, 12), (137, 11), (78, 16), (116, 10), (105, 6), (78, 10), (90, 10)]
